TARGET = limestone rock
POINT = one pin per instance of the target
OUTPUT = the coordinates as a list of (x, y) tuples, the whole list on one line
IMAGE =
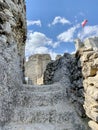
[(11, 71), (89, 61), (66, 71), (57, 57), (78, 44), (93, 125), (91, 43)]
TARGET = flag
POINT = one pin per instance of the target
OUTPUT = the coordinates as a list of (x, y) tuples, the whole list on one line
[(84, 22)]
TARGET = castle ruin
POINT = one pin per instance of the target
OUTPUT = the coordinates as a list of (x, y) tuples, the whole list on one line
[(35, 67), (68, 101)]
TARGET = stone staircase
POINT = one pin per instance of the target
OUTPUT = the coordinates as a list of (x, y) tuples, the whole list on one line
[(44, 107)]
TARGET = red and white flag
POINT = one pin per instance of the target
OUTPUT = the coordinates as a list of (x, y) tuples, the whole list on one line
[(84, 22)]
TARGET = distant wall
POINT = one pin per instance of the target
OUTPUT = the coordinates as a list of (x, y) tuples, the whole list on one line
[(35, 67)]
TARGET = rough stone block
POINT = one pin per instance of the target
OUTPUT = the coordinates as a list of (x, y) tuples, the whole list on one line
[(93, 125)]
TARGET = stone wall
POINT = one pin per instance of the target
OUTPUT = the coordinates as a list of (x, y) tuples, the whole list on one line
[(12, 44), (89, 64), (81, 76), (35, 67)]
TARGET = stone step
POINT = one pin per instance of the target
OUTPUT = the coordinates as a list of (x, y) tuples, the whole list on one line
[(43, 88), (55, 114), (33, 99), (39, 126)]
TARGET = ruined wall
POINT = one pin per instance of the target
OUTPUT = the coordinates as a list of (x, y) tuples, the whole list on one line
[(72, 72), (89, 64), (12, 44), (35, 66), (81, 76)]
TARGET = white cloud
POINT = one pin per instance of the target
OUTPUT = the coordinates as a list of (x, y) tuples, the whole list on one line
[(38, 39), (41, 50), (59, 19), (38, 43), (56, 44), (31, 22), (88, 31), (68, 36)]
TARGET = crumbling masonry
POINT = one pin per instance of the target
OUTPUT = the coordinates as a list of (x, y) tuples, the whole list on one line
[(69, 101)]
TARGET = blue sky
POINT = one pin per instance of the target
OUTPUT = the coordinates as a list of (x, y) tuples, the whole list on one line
[(53, 25)]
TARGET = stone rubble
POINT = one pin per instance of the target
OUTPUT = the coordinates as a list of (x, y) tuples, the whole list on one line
[(67, 70)]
